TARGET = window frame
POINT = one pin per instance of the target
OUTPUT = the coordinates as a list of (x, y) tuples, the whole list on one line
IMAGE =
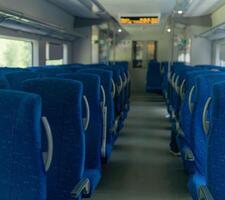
[(65, 51)]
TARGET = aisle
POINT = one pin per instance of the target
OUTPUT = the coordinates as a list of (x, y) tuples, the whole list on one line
[(141, 167)]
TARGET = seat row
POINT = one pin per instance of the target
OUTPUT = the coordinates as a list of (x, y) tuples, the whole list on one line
[(195, 101), (58, 126)]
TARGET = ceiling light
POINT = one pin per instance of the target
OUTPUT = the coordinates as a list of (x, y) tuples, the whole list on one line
[(169, 30), (180, 12), (119, 30)]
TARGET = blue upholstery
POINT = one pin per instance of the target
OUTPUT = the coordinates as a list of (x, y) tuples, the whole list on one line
[(123, 96), (50, 71), (22, 173), (62, 100), (121, 108), (153, 76), (15, 79), (93, 136), (216, 147), (106, 77), (5, 70), (4, 84), (195, 181), (186, 118), (116, 74), (198, 138), (118, 97)]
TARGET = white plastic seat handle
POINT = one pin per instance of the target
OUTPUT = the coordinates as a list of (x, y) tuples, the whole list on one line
[(176, 84), (182, 89), (113, 87), (190, 104), (87, 119), (205, 123), (48, 159), (103, 95)]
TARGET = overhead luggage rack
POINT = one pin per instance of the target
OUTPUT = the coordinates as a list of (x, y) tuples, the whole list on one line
[(17, 21), (215, 33)]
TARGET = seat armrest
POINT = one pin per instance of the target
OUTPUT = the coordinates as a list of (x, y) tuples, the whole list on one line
[(188, 154), (82, 187), (204, 193)]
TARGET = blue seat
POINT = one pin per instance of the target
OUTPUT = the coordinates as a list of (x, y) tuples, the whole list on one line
[(118, 96), (185, 119), (124, 94), (199, 130), (119, 92), (62, 100), (153, 76), (94, 132), (5, 70), (106, 77), (22, 172), (125, 89), (50, 71), (215, 157), (176, 98), (4, 84), (15, 79)]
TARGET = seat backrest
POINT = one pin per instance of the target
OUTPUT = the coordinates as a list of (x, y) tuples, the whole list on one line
[(189, 100), (117, 81), (106, 77), (62, 100), (122, 86), (16, 79), (201, 115), (50, 71), (93, 135), (153, 76), (216, 144), (4, 84), (22, 172)]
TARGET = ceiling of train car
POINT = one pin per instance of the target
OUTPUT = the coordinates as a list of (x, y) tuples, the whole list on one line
[(116, 8), (163, 7), (81, 8), (133, 7)]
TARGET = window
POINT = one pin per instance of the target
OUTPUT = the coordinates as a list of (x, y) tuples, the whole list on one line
[(15, 53), (184, 57), (182, 46), (56, 54)]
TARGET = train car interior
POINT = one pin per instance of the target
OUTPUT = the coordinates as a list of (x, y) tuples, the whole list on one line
[(112, 99)]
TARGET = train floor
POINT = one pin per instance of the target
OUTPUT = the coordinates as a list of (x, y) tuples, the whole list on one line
[(141, 167)]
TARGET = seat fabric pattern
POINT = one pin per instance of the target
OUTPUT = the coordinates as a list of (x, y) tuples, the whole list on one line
[(22, 173), (62, 100), (93, 135)]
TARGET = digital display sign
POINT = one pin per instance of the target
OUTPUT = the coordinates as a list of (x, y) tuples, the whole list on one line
[(139, 20)]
